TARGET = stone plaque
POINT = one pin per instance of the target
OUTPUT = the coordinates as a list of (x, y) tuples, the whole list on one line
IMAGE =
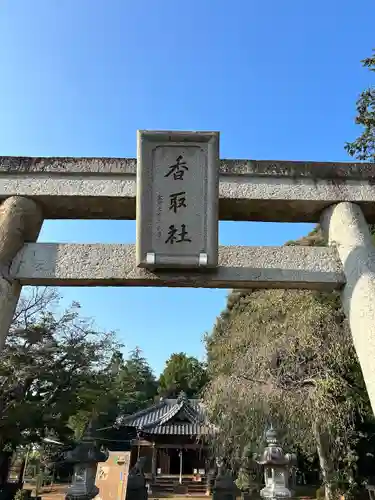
[(177, 199)]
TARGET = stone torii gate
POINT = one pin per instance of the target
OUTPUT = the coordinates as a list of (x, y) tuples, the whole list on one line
[(341, 196)]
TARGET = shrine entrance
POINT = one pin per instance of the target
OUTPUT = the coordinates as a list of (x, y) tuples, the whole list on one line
[(173, 435), (178, 189), (174, 461)]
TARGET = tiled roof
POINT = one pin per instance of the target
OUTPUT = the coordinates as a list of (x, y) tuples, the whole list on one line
[(180, 416), (179, 429)]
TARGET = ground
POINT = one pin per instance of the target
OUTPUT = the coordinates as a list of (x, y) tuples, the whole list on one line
[(57, 492)]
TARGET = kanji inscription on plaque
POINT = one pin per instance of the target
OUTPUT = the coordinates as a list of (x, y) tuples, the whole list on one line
[(177, 199)]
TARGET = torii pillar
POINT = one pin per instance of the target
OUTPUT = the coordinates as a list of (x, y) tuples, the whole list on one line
[(346, 228), (20, 222)]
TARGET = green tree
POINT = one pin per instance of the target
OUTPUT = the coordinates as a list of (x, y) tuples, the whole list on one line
[(122, 387), (182, 373), (99, 398), (363, 148), (50, 360), (136, 385), (287, 357)]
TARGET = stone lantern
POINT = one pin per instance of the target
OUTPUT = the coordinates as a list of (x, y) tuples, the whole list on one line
[(276, 469), (85, 458)]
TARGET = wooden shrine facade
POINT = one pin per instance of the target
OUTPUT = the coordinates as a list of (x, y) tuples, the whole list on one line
[(172, 435)]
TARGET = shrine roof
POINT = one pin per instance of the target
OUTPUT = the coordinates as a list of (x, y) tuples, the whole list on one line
[(181, 416)]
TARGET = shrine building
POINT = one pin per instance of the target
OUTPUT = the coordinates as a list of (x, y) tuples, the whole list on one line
[(172, 435)]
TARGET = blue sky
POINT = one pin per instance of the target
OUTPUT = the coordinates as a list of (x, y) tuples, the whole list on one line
[(278, 79)]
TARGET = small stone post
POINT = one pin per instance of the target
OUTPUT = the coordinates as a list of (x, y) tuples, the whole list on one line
[(20, 222), (136, 487), (245, 480), (346, 228), (224, 486), (209, 479)]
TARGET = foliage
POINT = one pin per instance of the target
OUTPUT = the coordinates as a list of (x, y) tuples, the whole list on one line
[(182, 373), (58, 372), (281, 349), (122, 387), (49, 362), (136, 384), (363, 148), (287, 357), (98, 399), (250, 473)]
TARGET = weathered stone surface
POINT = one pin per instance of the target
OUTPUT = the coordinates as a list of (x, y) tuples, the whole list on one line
[(224, 486), (20, 221), (101, 188), (24, 164), (347, 231), (239, 267), (276, 469), (9, 294), (177, 199), (136, 488), (279, 168)]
